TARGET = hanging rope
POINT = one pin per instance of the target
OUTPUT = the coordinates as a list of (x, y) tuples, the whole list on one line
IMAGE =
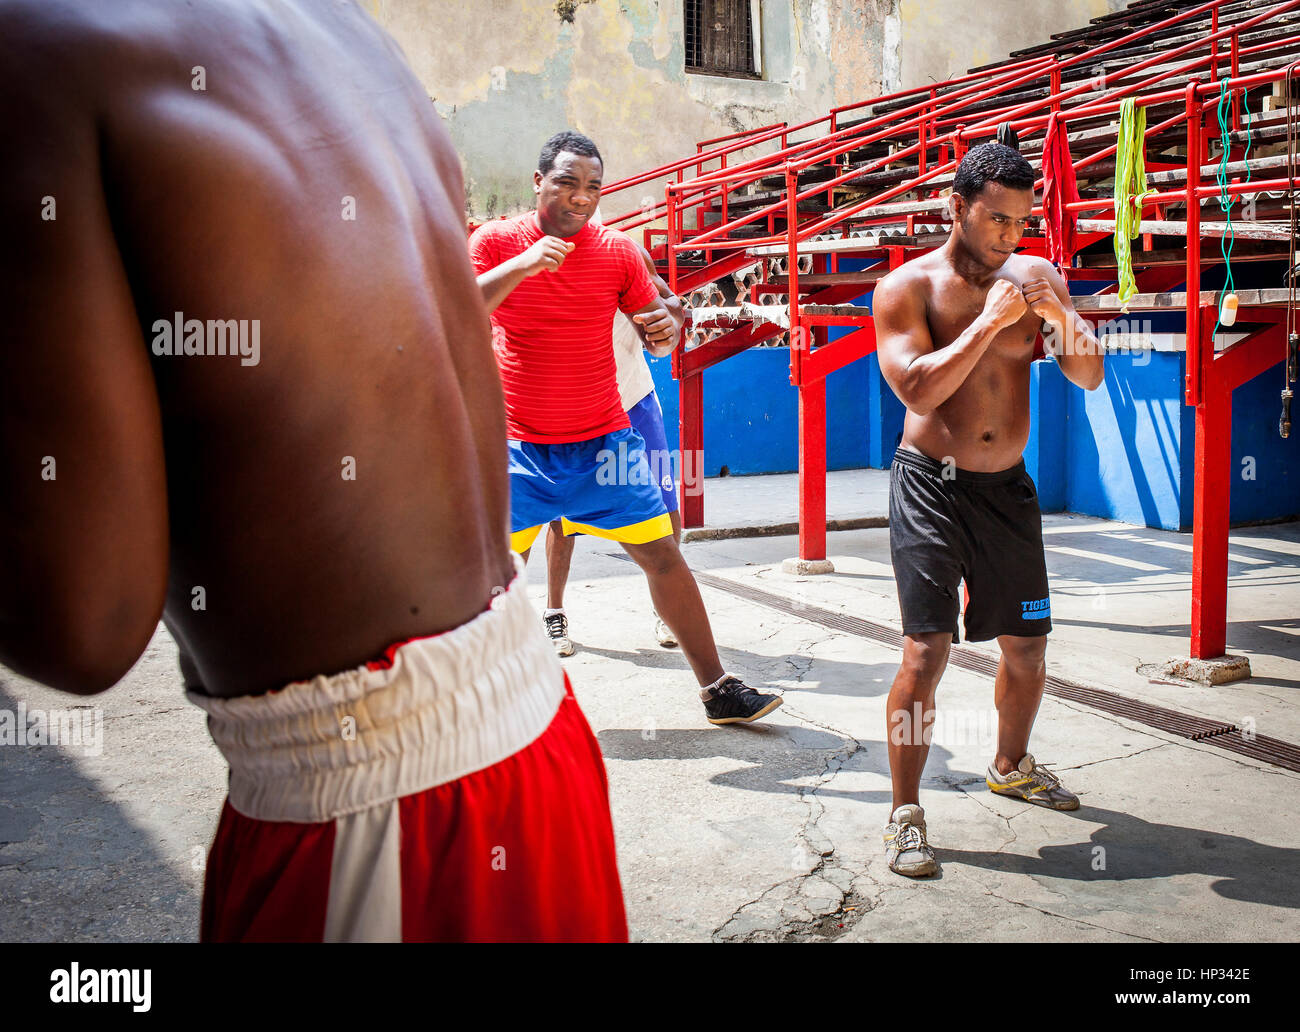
[(1228, 301), (1130, 189)]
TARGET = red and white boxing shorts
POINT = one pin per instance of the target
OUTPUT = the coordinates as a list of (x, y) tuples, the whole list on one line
[(452, 791)]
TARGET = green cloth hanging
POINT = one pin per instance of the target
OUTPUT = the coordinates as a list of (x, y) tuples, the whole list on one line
[(1130, 189)]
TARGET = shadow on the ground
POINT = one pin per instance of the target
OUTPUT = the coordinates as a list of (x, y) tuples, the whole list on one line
[(813, 676), (1135, 849), (1266, 636), (73, 866), (1147, 548), (776, 756)]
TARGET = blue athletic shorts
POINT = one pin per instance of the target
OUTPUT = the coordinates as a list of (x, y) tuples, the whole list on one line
[(647, 418), (602, 487)]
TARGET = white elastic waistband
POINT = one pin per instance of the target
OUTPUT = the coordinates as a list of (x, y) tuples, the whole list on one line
[(447, 706)]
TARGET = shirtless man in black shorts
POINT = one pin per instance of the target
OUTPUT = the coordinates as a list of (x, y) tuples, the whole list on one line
[(957, 329), (247, 385)]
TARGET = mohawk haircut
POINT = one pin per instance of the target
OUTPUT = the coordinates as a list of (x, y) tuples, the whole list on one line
[(568, 140), (992, 163)]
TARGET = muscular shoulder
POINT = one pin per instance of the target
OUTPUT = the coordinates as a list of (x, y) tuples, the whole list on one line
[(1027, 266), (907, 285)]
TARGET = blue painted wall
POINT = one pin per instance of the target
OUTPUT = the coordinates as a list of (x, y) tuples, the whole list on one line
[(1126, 441), (1047, 453), (1124, 451), (1268, 486), (751, 414)]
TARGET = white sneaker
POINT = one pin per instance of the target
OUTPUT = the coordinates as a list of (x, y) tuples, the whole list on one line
[(663, 634), (557, 629), (906, 850)]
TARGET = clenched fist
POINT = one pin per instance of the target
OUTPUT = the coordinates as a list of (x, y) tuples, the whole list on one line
[(1043, 301), (1005, 304), (659, 328), (546, 255)]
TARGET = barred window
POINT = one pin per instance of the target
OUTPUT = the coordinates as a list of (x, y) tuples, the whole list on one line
[(720, 37)]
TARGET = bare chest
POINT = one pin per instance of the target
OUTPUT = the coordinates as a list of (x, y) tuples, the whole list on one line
[(953, 305)]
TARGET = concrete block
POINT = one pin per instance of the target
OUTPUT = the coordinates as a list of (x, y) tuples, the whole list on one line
[(1219, 670), (807, 567)]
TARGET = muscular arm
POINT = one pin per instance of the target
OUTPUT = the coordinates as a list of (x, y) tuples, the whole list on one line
[(922, 377), (671, 301), (546, 255), (496, 284), (1075, 349), (83, 527)]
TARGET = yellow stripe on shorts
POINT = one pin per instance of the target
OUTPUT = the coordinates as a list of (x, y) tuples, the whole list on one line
[(522, 540), (634, 534)]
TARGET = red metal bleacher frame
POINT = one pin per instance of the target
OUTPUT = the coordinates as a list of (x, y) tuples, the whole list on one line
[(935, 121)]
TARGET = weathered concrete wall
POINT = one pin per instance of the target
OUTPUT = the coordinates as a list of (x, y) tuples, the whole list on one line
[(506, 74), (940, 40)]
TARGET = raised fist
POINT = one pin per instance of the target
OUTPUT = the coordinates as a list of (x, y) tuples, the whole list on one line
[(546, 255), (1005, 304)]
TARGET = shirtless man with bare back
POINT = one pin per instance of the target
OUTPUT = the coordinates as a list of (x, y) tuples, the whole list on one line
[(956, 331), (247, 385)]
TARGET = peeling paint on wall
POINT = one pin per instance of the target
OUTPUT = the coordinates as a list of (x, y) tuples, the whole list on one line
[(939, 41), (892, 75), (507, 74), (566, 8)]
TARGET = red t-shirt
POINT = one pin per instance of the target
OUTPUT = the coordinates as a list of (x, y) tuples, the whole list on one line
[(552, 334)]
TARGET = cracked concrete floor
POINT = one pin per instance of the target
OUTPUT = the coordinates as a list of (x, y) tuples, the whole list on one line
[(772, 831), (1175, 841)]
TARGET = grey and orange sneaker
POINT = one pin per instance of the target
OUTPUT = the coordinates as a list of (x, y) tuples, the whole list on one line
[(905, 847), (1033, 783)]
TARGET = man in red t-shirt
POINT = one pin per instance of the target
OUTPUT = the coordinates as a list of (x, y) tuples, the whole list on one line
[(552, 282)]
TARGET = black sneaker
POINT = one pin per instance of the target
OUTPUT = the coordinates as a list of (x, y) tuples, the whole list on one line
[(735, 702)]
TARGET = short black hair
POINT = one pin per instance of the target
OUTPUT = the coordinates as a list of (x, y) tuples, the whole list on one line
[(574, 143), (992, 163)]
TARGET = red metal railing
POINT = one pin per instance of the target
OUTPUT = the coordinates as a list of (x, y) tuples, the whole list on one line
[(698, 190), (939, 119)]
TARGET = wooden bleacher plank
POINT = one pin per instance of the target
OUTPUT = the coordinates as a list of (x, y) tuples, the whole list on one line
[(1178, 301), (856, 311), (1245, 251), (848, 245), (779, 284), (1213, 230)]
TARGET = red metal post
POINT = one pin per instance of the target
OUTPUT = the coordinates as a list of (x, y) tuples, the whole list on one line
[(797, 343), (1210, 521), (1055, 80), (690, 429), (673, 237), (812, 400), (1237, 99), (1213, 401), (1195, 366), (922, 138), (725, 193), (812, 468), (1214, 45)]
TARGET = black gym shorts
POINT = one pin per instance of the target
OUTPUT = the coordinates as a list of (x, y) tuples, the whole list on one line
[(984, 528)]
